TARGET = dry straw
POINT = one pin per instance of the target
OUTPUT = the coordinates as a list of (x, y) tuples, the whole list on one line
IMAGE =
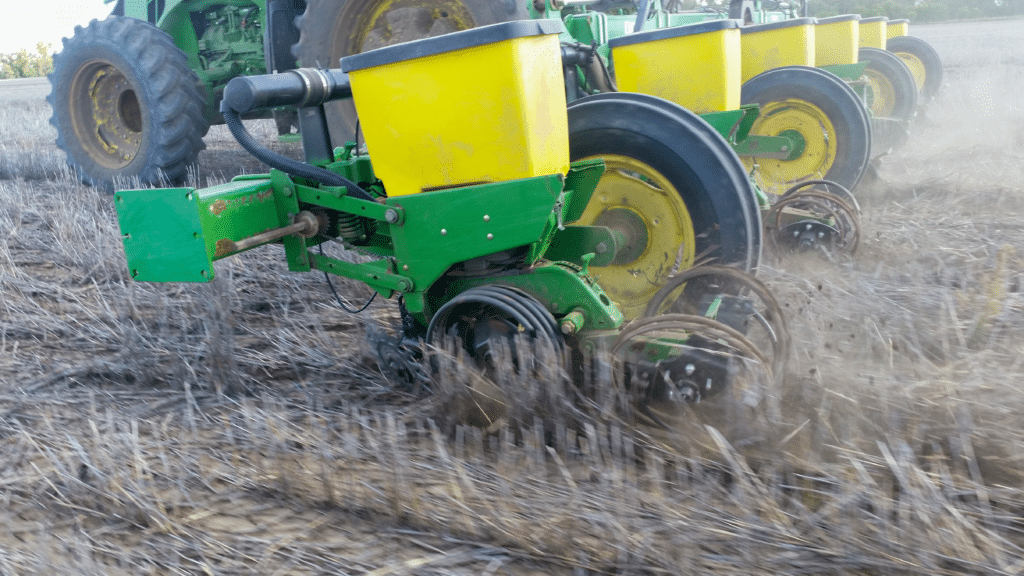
[(242, 427)]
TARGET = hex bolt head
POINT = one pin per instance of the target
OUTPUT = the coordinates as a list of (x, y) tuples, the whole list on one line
[(391, 215), (444, 232), (487, 218)]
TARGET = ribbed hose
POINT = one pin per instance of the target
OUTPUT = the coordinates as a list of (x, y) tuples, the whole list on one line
[(512, 303), (283, 163)]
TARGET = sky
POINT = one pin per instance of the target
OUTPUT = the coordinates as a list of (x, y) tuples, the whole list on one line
[(26, 22)]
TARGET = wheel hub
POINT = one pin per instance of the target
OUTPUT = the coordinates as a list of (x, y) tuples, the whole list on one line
[(106, 115), (813, 135), (631, 228), (638, 202)]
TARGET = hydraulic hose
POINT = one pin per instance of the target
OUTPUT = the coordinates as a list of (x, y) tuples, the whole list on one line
[(246, 94)]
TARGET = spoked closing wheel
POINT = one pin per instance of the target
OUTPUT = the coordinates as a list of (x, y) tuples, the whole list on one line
[(676, 359), (734, 298), (817, 215), (673, 191), (728, 330), (826, 119)]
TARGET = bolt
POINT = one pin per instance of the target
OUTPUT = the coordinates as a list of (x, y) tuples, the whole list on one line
[(444, 232), (288, 191), (490, 236), (808, 227), (391, 215), (690, 369), (487, 218), (405, 267), (404, 285), (821, 234), (601, 248), (784, 149)]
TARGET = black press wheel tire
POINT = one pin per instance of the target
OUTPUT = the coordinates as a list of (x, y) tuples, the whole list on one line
[(330, 29), (923, 61), (826, 112), (126, 105), (656, 154), (888, 74)]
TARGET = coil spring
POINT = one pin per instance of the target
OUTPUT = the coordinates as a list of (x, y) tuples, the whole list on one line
[(351, 227)]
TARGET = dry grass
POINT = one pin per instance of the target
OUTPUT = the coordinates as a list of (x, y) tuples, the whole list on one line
[(242, 426)]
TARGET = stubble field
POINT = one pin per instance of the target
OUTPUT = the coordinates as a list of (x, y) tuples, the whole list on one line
[(242, 427)]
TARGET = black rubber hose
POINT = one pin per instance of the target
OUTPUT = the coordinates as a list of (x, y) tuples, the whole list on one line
[(283, 163)]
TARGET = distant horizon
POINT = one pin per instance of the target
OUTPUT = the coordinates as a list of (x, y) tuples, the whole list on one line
[(26, 24)]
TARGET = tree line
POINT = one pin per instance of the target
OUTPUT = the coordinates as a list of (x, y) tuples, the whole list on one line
[(28, 64), (25, 64), (920, 10)]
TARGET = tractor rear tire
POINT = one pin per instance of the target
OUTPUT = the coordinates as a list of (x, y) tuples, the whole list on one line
[(742, 10), (827, 114), (330, 29), (896, 95), (126, 105), (923, 61), (672, 186)]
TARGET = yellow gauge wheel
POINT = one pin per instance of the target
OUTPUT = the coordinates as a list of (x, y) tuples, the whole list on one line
[(804, 121), (105, 115), (881, 94), (917, 68), (653, 225)]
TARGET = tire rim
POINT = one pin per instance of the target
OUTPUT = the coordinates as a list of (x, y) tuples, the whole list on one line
[(105, 114), (375, 30), (881, 94), (917, 69), (638, 202), (819, 151)]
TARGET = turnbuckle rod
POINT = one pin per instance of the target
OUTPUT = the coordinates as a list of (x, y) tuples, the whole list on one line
[(306, 224)]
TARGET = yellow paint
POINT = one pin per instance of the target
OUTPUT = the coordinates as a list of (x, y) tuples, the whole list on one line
[(917, 69), (704, 75), (881, 93), (490, 113), (897, 28), (836, 43), (789, 46), (629, 184), (872, 34), (775, 176)]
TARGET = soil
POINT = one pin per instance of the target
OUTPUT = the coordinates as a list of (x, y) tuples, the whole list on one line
[(242, 426)]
